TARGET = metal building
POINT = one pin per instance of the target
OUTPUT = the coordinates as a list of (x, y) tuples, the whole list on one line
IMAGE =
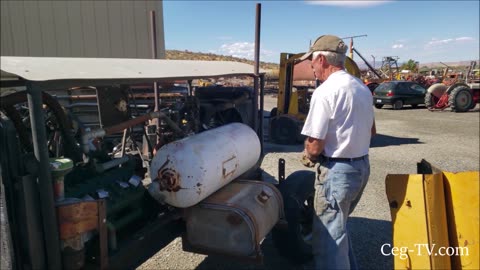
[(80, 28)]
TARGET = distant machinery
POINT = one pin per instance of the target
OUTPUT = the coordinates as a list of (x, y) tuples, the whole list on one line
[(389, 68)]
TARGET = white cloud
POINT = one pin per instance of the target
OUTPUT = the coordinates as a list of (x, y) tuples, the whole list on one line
[(464, 39), (242, 50), (439, 42), (345, 3), (397, 46), (238, 49)]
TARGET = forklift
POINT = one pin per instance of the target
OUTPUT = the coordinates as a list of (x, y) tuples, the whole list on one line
[(296, 84)]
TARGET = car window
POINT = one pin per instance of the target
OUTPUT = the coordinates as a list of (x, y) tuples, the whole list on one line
[(384, 87), (417, 88), (402, 88)]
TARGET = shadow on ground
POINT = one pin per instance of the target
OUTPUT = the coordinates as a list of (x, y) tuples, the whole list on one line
[(381, 140), (405, 108), (271, 260), (368, 236)]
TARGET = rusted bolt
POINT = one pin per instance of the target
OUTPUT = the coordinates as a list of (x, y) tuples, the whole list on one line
[(168, 180), (264, 196)]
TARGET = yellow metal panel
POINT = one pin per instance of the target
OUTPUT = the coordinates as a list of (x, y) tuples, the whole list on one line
[(407, 206), (293, 103), (282, 77), (436, 217), (436, 220), (352, 67), (462, 200)]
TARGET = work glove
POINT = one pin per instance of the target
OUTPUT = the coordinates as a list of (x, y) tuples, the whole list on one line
[(307, 160)]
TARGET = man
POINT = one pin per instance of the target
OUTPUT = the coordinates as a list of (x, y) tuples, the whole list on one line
[(338, 128)]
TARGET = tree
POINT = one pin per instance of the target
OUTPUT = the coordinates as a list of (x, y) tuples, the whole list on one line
[(410, 65)]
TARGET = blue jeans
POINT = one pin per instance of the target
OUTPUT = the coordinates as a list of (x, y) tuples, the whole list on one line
[(338, 189)]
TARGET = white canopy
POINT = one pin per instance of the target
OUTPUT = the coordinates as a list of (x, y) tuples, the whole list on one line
[(59, 68)]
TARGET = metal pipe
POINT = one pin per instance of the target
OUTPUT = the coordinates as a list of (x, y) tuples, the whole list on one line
[(262, 83), (368, 65), (153, 35), (47, 204), (257, 38), (33, 223), (124, 140), (132, 122), (122, 126), (257, 66), (110, 164)]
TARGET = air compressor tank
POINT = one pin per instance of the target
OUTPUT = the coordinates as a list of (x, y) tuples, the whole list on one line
[(186, 171)]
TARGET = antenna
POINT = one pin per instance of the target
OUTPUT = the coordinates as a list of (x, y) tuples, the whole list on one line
[(355, 36), (351, 43)]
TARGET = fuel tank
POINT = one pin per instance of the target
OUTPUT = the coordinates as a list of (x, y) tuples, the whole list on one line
[(186, 171), (234, 220)]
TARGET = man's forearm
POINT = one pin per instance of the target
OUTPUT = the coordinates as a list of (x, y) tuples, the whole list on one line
[(313, 147)]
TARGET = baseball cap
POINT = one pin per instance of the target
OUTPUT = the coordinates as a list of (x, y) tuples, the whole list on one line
[(327, 43)]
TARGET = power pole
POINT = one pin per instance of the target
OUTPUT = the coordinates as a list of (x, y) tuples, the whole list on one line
[(351, 43)]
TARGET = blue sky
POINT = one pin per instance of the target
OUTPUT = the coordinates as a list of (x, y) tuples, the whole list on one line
[(425, 31)]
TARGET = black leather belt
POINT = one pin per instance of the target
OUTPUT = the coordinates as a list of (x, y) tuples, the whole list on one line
[(324, 158)]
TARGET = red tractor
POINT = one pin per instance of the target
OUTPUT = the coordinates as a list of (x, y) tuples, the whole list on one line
[(460, 97)]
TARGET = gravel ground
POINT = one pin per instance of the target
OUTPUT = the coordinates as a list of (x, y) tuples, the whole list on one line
[(448, 140)]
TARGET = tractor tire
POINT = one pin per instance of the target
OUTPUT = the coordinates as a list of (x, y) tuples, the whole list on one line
[(473, 106), (294, 240), (398, 104), (284, 130), (378, 106), (460, 99)]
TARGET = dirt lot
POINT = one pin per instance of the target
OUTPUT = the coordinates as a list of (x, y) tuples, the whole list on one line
[(448, 140)]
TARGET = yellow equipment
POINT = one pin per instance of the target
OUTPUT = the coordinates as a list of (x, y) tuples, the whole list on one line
[(296, 83), (204, 83), (435, 219)]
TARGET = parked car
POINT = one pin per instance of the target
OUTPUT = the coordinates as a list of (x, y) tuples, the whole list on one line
[(398, 94)]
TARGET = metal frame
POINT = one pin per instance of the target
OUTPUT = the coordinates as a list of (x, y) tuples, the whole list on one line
[(34, 96)]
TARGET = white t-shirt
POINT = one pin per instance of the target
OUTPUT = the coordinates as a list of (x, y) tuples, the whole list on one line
[(341, 113)]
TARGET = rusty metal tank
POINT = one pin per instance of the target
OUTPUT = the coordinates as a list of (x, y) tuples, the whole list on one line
[(234, 220), (185, 172)]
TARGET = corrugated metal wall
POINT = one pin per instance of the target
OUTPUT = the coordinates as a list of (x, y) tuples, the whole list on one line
[(80, 28)]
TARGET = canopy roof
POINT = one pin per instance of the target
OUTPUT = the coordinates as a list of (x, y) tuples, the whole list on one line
[(60, 68)]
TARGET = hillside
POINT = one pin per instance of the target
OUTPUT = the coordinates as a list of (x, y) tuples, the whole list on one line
[(273, 68), (188, 55)]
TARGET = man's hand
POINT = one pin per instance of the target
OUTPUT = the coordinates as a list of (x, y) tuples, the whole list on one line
[(307, 160)]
